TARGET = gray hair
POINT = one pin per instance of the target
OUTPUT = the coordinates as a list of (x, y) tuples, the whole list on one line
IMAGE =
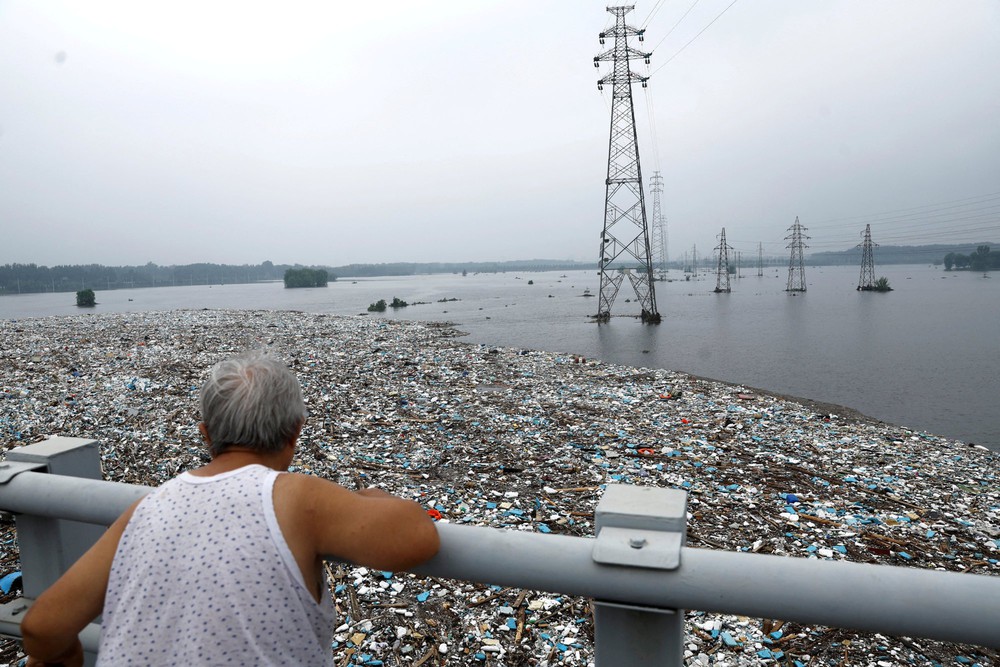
[(251, 401)]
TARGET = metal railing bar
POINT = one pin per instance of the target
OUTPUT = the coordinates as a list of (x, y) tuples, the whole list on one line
[(892, 600)]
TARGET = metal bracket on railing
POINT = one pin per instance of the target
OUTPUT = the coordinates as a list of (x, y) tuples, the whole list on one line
[(641, 527), (49, 546), (11, 469)]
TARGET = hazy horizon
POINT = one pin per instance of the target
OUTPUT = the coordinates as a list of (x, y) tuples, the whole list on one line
[(235, 133)]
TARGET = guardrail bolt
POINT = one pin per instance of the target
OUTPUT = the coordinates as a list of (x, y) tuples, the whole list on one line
[(637, 542)]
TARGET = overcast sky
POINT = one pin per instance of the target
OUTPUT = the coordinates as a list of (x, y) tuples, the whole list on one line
[(449, 130)]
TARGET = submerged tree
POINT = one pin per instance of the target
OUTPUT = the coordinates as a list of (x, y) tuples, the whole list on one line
[(881, 285), (85, 298)]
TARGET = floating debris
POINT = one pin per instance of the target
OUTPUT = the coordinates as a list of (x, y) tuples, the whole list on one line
[(521, 440)]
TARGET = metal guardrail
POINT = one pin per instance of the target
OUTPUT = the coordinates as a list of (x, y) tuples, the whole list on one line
[(636, 569)]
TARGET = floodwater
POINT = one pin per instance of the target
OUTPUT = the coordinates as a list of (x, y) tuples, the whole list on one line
[(925, 356)]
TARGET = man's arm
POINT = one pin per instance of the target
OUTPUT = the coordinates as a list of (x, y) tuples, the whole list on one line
[(53, 623), (368, 527)]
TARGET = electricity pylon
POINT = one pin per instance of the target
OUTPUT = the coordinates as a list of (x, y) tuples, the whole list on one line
[(760, 260), (658, 240), (722, 270), (625, 237), (867, 281), (796, 267)]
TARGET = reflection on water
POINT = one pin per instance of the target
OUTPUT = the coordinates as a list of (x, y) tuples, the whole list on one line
[(924, 355)]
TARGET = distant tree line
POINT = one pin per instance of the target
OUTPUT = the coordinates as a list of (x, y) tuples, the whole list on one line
[(306, 277), (891, 254), (980, 260), (27, 278)]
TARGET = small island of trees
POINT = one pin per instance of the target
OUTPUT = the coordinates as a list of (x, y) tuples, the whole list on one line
[(85, 298), (306, 278)]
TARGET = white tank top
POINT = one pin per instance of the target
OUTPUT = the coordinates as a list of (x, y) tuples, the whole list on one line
[(203, 576)]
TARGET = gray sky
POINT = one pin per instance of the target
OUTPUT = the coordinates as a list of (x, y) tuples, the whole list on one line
[(449, 130)]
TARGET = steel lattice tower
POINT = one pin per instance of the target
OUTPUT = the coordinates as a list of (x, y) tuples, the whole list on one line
[(796, 267), (722, 270), (760, 260), (658, 240), (867, 281), (625, 237)]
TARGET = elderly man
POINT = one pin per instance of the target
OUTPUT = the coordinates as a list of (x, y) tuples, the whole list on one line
[(223, 564)]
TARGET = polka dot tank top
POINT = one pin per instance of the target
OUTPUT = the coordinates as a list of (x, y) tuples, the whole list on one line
[(203, 576)]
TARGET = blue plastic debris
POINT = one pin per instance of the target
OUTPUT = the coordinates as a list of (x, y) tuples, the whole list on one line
[(791, 498), (9, 581), (422, 597), (728, 640)]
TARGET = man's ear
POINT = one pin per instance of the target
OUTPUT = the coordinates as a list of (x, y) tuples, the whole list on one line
[(298, 432), (204, 433)]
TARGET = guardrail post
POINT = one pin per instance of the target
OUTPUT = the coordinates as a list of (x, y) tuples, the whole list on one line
[(49, 546), (640, 527)]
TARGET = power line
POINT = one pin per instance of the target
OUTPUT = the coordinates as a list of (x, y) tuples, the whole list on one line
[(652, 13), (985, 197), (966, 217), (728, 7), (669, 32)]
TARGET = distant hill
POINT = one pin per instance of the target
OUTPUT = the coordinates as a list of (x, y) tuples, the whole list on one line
[(413, 268), (896, 254)]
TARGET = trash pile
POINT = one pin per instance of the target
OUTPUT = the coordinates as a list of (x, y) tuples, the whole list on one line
[(521, 440)]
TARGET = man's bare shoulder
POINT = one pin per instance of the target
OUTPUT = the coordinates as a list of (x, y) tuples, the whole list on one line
[(298, 487)]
